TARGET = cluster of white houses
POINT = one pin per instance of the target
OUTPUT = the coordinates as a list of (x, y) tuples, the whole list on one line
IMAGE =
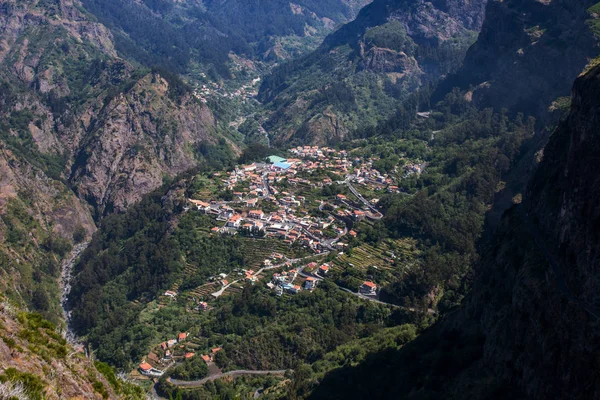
[(252, 183), (283, 282), (282, 224)]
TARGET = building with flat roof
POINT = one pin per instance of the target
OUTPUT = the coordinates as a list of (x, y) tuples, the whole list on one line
[(276, 159), (282, 165)]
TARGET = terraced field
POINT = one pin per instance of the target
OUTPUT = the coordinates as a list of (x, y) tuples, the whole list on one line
[(365, 256), (257, 250), (205, 188), (204, 291), (233, 289)]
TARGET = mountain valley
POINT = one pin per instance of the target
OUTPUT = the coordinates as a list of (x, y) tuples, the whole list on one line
[(317, 199)]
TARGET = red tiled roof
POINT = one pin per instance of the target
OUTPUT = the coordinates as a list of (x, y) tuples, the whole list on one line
[(145, 366), (199, 203), (369, 284)]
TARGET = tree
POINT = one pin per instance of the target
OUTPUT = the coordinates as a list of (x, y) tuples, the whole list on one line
[(79, 234), (40, 300)]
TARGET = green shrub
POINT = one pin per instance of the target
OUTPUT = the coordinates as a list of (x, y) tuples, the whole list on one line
[(32, 384), (108, 373)]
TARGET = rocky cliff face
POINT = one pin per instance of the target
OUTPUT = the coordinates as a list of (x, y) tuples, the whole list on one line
[(391, 49), (118, 132), (528, 53), (82, 133), (36, 362), (529, 327), (537, 297), (138, 138)]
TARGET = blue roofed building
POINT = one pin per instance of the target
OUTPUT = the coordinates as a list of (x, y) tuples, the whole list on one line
[(282, 165)]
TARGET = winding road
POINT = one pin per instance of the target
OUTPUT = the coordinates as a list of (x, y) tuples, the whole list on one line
[(239, 372), (376, 214)]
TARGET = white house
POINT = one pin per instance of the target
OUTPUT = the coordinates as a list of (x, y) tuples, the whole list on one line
[(368, 288), (149, 370)]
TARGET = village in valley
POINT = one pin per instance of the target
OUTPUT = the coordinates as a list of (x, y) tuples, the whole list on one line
[(306, 209)]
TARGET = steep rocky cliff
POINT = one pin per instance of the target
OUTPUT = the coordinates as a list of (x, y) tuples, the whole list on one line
[(138, 138), (82, 109), (529, 328), (36, 362), (528, 53), (361, 71), (538, 302), (82, 133)]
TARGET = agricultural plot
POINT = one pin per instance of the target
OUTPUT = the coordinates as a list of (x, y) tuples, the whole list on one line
[(257, 250), (233, 289), (368, 191), (204, 291), (205, 188), (385, 256), (365, 256)]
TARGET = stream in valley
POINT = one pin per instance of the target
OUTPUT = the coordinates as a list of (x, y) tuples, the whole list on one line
[(65, 288)]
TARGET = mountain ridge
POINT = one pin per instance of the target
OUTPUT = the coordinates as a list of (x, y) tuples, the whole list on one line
[(519, 36), (367, 67)]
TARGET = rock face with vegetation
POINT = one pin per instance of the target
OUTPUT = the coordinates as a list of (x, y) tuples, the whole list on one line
[(82, 133), (37, 363), (545, 339), (88, 116), (183, 34), (138, 138), (529, 327), (360, 72), (528, 53)]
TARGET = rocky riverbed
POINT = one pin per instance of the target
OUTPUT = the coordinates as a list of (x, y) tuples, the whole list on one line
[(65, 286)]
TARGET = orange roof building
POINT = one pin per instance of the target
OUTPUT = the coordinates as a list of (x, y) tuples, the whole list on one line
[(145, 367)]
